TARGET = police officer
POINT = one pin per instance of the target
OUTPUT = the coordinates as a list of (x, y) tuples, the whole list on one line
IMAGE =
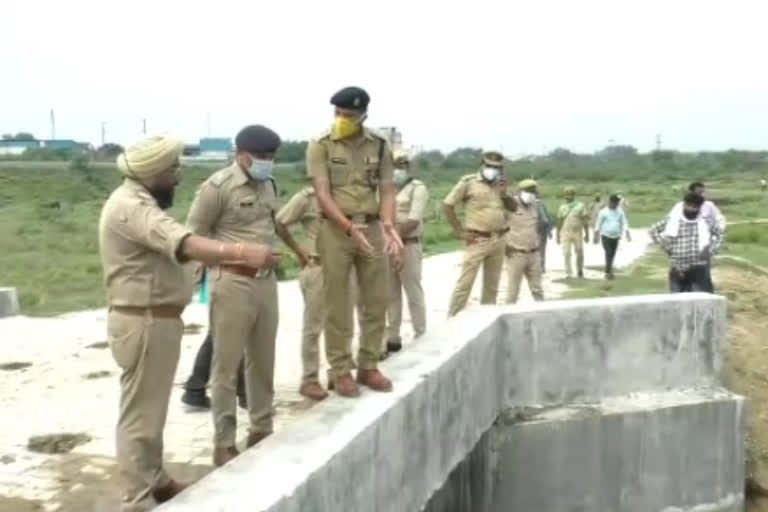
[(411, 200), (238, 203), (522, 245), (303, 208), (142, 251), (351, 168), (572, 219), (485, 203)]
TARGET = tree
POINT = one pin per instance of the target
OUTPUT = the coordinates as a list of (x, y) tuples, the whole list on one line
[(7, 136), (292, 151), (561, 154), (109, 151), (618, 152), (23, 136)]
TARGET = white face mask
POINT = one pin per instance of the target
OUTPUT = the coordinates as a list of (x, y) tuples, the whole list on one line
[(491, 174), (400, 177), (527, 197)]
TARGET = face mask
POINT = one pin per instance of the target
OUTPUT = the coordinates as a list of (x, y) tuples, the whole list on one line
[(690, 214), (163, 196), (261, 170), (490, 174), (345, 127), (400, 177), (527, 197)]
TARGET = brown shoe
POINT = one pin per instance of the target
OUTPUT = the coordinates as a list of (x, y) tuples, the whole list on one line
[(313, 391), (222, 455), (374, 380), (256, 437), (345, 385), (168, 491)]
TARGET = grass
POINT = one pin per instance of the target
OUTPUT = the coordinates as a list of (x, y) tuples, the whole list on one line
[(50, 211)]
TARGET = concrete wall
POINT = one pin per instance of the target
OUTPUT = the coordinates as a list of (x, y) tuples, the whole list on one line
[(392, 452)]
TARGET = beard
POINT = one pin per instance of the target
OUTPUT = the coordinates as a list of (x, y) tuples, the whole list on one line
[(164, 197)]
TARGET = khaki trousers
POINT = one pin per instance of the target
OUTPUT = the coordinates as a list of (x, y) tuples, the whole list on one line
[(245, 316), (490, 254), (408, 280), (311, 285), (573, 242), (521, 264), (338, 256), (147, 351)]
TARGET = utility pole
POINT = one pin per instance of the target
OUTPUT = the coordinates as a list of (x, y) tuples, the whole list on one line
[(53, 125), (658, 142), (144, 126), (103, 132)]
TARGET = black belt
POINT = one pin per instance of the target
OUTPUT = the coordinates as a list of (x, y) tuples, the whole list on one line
[(524, 251), (412, 240)]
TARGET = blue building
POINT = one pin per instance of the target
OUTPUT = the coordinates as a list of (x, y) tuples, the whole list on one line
[(216, 148)]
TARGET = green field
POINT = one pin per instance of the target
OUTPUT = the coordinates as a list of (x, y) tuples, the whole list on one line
[(49, 211)]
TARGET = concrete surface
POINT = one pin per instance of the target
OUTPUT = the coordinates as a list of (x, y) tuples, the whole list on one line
[(9, 302), (391, 452), (62, 387), (680, 450)]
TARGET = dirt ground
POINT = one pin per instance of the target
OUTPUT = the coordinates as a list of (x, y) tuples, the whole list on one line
[(746, 368)]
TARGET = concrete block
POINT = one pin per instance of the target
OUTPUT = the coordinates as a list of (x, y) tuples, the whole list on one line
[(9, 302), (582, 351), (676, 451)]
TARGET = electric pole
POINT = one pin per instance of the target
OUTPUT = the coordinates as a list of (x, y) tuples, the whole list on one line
[(103, 132), (53, 125), (658, 142), (144, 126)]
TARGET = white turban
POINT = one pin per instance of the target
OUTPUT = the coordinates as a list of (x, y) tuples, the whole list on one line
[(150, 156)]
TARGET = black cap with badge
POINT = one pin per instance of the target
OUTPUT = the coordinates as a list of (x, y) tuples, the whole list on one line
[(257, 139), (352, 98)]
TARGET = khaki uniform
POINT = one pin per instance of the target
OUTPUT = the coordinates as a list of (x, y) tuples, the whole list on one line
[(231, 207), (412, 202), (572, 234), (353, 167), (139, 246), (484, 214), (303, 208), (522, 250)]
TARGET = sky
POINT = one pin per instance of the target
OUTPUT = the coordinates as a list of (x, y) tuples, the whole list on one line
[(524, 76)]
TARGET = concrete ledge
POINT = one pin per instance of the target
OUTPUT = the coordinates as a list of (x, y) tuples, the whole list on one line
[(9, 302), (391, 452)]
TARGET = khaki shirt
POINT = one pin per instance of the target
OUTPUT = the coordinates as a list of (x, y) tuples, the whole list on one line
[(412, 202), (352, 168), (303, 207), (523, 227), (483, 208), (573, 219), (139, 245), (231, 207)]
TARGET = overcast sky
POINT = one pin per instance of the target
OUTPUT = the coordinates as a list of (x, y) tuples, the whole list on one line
[(525, 75)]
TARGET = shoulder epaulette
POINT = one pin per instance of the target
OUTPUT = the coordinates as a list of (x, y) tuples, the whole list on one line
[(220, 177)]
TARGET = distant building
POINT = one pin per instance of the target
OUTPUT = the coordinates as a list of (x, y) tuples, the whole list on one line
[(18, 147), (215, 148)]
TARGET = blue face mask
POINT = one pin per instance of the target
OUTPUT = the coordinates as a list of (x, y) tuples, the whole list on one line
[(261, 170)]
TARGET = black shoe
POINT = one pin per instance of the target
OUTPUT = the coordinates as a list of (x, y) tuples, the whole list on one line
[(581, 275), (242, 402), (394, 344), (197, 399)]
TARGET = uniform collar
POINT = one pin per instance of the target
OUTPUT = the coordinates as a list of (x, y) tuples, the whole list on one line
[(238, 176)]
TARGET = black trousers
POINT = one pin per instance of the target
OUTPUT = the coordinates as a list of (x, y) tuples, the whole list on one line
[(201, 370), (610, 245), (694, 279)]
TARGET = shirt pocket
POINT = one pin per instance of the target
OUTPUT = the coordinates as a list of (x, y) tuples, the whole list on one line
[(338, 171), (248, 209)]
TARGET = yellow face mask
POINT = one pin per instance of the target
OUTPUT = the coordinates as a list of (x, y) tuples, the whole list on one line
[(345, 127)]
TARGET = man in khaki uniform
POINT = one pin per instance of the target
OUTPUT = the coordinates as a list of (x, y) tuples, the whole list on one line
[(351, 169), (142, 250), (572, 219), (522, 248), (303, 208), (485, 204), (238, 204), (411, 201)]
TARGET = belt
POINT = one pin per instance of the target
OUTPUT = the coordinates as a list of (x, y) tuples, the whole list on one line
[(164, 311), (363, 218), (242, 270), (524, 251), (486, 234), (412, 240)]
